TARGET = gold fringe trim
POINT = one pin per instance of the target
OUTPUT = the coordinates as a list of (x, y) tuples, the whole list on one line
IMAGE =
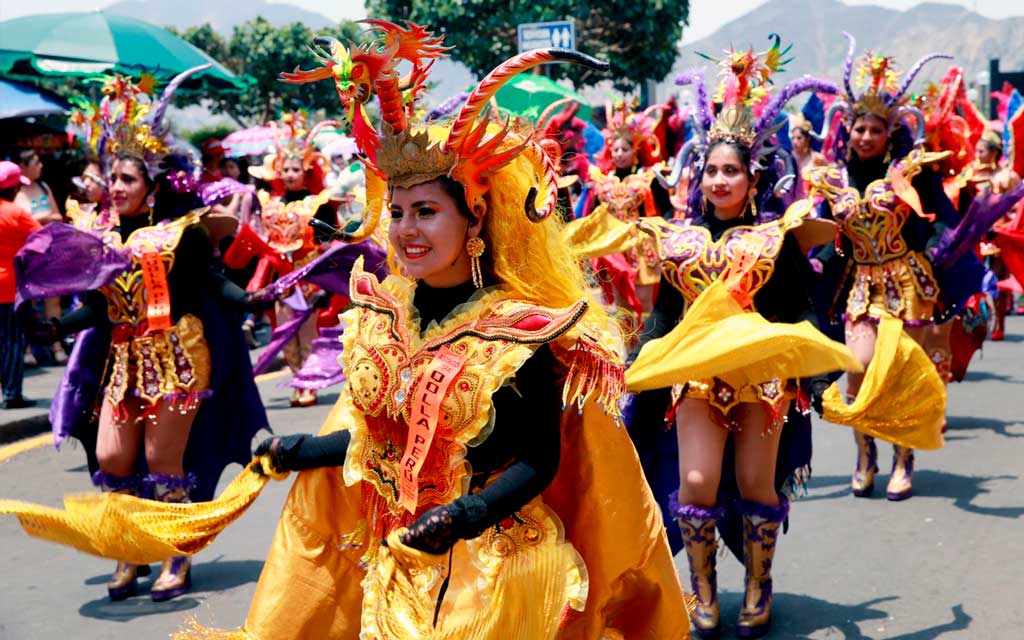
[(594, 372), (195, 631)]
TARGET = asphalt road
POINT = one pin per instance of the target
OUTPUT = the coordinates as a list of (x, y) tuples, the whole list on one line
[(946, 564)]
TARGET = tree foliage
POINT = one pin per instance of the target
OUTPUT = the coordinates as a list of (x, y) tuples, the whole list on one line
[(638, 37), (261, 51)]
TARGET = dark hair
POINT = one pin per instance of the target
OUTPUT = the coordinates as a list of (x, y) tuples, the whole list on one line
[(695, 196), (243, 168), (457, 192), (168, 202), (9, 193), (993, 147), (901, 140), (25, 156)]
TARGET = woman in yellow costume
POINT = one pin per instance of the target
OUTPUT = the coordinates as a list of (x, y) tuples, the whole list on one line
[(471, 481), (899, 256), (736, 447)]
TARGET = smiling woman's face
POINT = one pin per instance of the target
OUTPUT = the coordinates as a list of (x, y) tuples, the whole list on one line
[(429, 234), (868, 137), (725, 181)]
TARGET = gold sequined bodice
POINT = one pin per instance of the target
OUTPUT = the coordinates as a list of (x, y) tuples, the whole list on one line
[(873, 222), (623, 197), (385, 358), (126, 295), (287, 223), (692, 259)]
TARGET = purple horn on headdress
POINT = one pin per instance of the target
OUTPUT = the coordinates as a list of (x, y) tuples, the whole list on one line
[(792, 89), (918, 117), (909, 78), (677, 168), (838, 105), (848, 68), (157, 115), (765, 127), (786, 182), (704, 115)]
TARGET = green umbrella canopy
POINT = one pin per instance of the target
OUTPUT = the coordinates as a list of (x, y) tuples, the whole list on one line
[(97, 42), (528, 94)]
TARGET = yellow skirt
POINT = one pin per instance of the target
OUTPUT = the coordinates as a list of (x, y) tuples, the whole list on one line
[(171, 363), (902, 398), (903, 288), (717, 338)]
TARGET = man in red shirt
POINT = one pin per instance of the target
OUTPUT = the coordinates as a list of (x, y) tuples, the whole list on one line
[(15, 226)]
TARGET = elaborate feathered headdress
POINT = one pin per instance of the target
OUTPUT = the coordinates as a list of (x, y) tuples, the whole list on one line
[(882, 96), (402, 153), (128, 121), (638, 128), (952, 122), (745, 83), (296, 143), (800, 121)]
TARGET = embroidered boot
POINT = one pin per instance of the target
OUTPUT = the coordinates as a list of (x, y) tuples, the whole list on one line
[(176, 573), (902, 473), (863, 481), (697, 525), (761, 528), (124, 581)]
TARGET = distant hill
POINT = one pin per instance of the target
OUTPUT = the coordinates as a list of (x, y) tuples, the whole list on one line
[(815, 28), (222, 16)]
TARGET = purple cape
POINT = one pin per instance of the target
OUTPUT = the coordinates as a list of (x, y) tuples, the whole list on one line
[(331, 272)]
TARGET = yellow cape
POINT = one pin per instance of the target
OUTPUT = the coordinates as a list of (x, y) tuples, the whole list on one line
[(311, 583), (717, 338), (902, 398)]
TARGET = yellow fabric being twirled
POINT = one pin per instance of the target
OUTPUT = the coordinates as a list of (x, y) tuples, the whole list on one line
[(902, 399), (123, 527), (718, 338), (600, 234)]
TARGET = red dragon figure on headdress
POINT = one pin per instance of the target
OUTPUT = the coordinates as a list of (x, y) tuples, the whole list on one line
[(360, 71)]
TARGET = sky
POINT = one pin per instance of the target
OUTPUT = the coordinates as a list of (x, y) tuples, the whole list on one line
[(705, 15)]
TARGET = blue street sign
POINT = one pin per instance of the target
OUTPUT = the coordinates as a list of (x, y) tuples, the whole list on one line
[(540, 35)]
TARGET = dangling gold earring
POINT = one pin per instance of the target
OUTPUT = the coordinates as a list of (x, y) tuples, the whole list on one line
[(704, 206), (475, 248), (150, 203), (752, 201), (888, 154)]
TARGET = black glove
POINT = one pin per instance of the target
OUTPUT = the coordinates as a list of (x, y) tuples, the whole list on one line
[(437, 530), (817, 395), (320, 299), (282, 450), (43, 332), (260, 300), (302, 451)]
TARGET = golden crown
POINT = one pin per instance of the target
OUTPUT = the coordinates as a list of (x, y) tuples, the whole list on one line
[(993, 137), (799, 121), (409, 158), (734, 124)]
